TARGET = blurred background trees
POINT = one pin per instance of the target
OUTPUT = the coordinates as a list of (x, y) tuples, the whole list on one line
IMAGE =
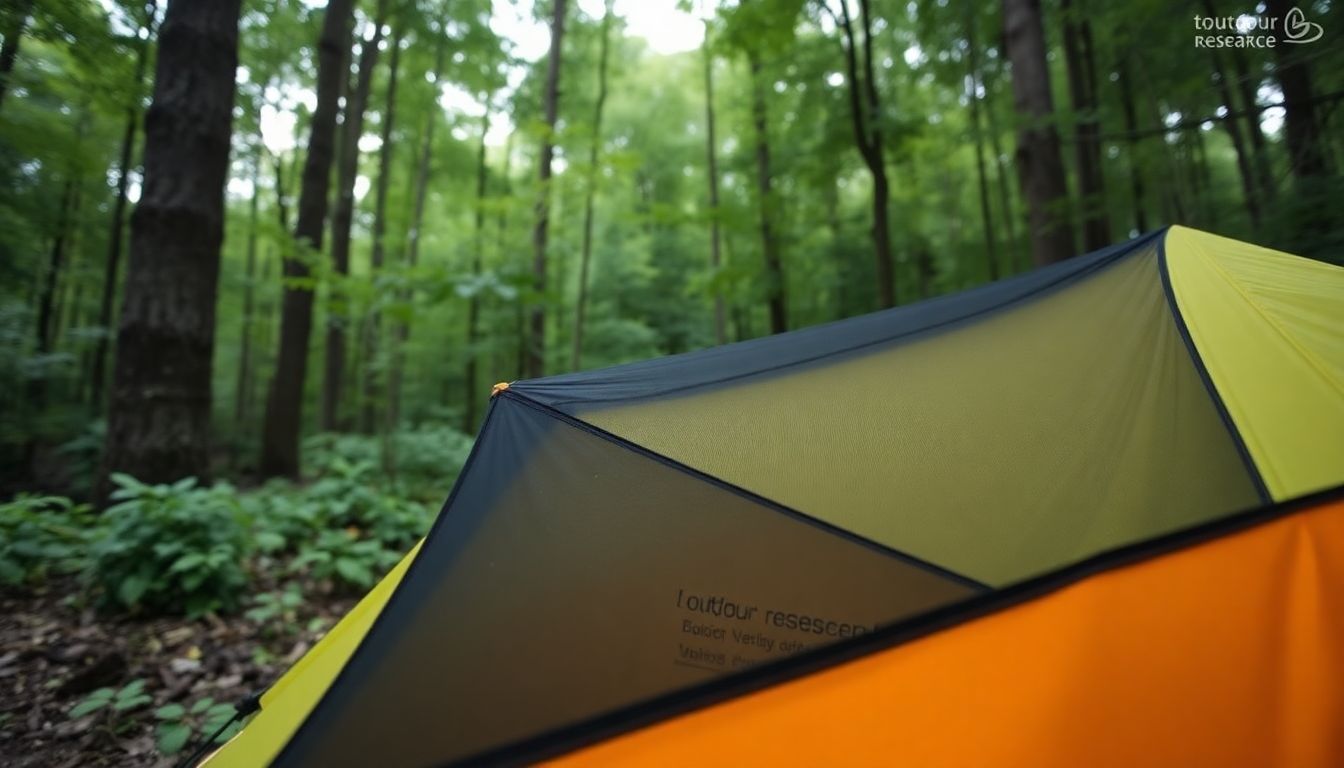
[(450, 200)]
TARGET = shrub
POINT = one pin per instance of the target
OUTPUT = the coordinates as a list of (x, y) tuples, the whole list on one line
[(174, 548), (40, 535)]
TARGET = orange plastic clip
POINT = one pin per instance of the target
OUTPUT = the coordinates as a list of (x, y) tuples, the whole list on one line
[(500, 387)]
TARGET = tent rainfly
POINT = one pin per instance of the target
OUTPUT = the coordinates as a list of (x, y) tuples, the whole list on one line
[(1091, 515)]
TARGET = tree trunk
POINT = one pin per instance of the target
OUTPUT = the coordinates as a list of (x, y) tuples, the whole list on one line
[(536, 353), (1248, 87), (98, 377), (9, 51), (1132, 146), (1018, 255), (470, 375), (1233, 128), (774, 271), (242, 405), (1040, 170), (712, 172), (978, 134), (865, 114), (1078, 59), (424, 168), (347, 172), (586, 254), (1302, 131), (368, 420), (284, 403), (159, 415)]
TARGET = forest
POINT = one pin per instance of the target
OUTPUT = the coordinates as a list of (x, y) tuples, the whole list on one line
[(263, 260)]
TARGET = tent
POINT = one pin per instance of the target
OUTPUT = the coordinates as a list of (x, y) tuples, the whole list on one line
[(1088, 515)]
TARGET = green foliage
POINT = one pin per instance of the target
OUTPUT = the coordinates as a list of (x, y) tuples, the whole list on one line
[(41, 535), (178, 724), (176, 548), (278, 610), (113, 705), (344, 557)]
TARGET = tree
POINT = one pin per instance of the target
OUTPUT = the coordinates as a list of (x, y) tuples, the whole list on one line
[(347, 171), (1040, 170), (974, 88), (1302, 130), (595, 144), (774, 269), (712, 176), (284, 403), (1082, 75), (159, 415), (866, 114), (536, 358), (17, 18)]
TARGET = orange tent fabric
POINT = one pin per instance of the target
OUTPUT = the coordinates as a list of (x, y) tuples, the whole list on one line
[(1230, 652)]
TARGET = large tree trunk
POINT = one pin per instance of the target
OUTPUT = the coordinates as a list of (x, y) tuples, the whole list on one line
[(242, 400), (159, 415), (1132, 146), (1078, 58), (1302, 131), (98, 377), (1040, 170), (586, 254), (284, 403), (536, 354), (470, 375), (424, 167), (9, 51), (978, 134), (865, 114), (712, 172), (368, 420), (347, 172), (774, 270)]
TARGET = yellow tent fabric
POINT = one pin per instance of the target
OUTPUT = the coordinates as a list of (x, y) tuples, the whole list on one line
[(629, 544), (1267, 327)]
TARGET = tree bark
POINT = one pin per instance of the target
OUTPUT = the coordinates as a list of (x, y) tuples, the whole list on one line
[(586, 253), (1018, 256), (1078, 60), (1040, 170), (242, 403), (424, 168), (159, 414), (470, 375), (368, 419), (973, 97), (1233, 127), (774, 271), (111, 270), (712, 174), (1132, 146), (9, 51), (536, 357), (284, 403), (347, 172), (866, 116)]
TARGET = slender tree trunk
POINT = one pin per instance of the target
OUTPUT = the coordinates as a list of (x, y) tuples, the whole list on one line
[(98, 377), (1040, 169), (774, 270), (284, 403), (1132, 146), (159, 414), (536, 357), (471, 375), (1248, 87), (865, 114), (424, 168), (973, 98), (373, 395), (9, 51), (586, 254), (1018, 255), (347, 172), (1087, 130), (1302, 130), (712, 173), (242, 406), (1233, 128)]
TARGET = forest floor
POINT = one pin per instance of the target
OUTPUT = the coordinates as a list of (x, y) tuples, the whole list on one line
[(54, 654)]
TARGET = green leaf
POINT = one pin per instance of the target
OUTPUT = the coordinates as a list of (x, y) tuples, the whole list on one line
[(201, 705), (170, 712), (354, 571), (172, 737), (131, 589), (92, 703)]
